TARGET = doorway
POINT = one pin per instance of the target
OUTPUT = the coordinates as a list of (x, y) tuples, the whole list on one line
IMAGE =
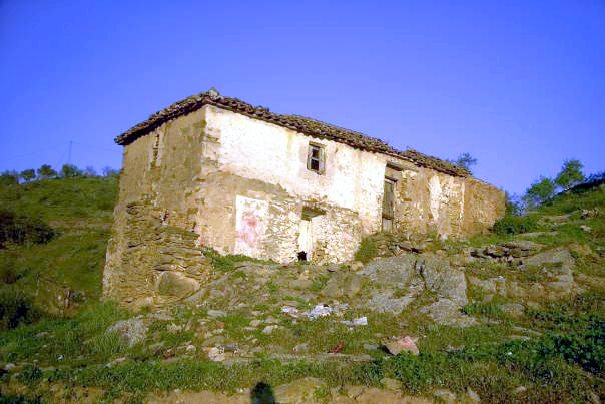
[(309, 229), (388, 205), (305, 240)]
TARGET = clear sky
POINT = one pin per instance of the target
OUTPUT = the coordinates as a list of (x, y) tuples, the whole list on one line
[(518, 84)]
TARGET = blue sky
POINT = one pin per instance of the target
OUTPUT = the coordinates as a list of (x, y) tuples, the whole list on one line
[(520, 85)]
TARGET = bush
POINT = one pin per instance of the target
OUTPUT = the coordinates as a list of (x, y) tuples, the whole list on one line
[(23, 230), (8, 271), (8, 178), (15, 308), (368, 250), (512, 224), (585, 346), (30, 374)]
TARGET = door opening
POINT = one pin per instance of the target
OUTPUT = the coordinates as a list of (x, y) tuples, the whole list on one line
[(305, 240), (309, 229)]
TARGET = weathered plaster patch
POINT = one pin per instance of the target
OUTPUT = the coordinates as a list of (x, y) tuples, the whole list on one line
[(250, 223), (436, 195)]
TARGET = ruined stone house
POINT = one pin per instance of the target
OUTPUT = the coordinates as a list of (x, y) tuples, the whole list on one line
[(214, 171)]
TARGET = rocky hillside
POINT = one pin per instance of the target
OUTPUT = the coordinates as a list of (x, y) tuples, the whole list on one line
[(496, 318)]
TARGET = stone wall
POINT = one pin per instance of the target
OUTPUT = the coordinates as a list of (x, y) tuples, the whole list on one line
[(153, 256), (430, 202), (484, 204)]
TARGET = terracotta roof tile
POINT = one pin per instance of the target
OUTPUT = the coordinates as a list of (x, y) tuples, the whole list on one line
[(299, 123)]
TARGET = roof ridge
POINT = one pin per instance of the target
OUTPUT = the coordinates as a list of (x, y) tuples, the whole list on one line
[(300, 123)]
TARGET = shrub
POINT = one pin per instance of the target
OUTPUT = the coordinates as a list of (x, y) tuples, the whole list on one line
[(8, 272), (46, 171), (28, 174), (490, 309), (70, 170), (30, 374), (571, 174), (539, 192), (368, 250), (15, 308), (23, 230), (585, 347), (512, 224), (8, 178)]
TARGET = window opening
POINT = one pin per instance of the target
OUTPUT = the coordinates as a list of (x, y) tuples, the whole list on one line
[(316, 158)]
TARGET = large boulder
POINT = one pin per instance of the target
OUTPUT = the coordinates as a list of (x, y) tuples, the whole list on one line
[(442, 279), (385, 302), (176, 284), (447, 312), (557, 266), (396, 282), (560, 257), (131, 331), (393, 271), (342, 284), (299, 391)]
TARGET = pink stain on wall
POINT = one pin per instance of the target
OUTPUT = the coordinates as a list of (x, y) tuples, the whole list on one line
[(249, 225), (248, 231)]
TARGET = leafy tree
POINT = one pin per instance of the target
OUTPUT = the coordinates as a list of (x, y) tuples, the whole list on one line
[(540, 191), (28, 174), (70, 170), (110, 172), (9, 178), (570, 174), (46, 171), (465, 160), (89, 171), (513, 204)]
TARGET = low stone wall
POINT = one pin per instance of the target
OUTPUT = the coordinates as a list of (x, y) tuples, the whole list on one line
[(151, 263)]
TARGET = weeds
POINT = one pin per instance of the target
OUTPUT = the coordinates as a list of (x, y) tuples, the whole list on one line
[(512, 224), (368, 250)]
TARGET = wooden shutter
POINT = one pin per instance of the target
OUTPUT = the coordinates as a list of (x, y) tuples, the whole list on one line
[(388, 201)]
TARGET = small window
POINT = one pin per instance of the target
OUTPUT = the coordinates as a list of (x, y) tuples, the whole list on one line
[(316, 159)]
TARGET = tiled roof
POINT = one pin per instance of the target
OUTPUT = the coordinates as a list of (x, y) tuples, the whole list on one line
[(298, 123)]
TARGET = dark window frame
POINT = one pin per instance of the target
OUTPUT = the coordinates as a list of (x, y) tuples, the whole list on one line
[(316, 158)]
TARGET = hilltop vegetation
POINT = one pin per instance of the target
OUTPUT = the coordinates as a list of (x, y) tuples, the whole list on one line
[(54, 235), (528, 326)]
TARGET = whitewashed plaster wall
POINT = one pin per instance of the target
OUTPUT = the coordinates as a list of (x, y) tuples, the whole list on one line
[(353, 178)]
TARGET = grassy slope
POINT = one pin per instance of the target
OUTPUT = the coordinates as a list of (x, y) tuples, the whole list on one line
[(80, 211), (558, 365)]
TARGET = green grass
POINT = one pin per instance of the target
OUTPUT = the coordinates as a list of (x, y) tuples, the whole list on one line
[(65, 340), (493, 370), (63, 199), (226, 263), (80, 212), (367, 250), (552, 366)]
